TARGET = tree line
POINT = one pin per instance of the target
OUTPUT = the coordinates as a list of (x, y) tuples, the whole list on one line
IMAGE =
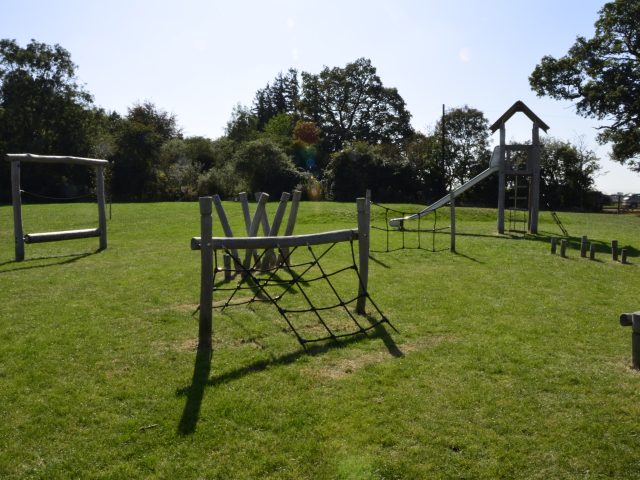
[(332, 134)]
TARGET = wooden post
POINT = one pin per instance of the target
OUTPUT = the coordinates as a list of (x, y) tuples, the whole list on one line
[(269, 256), (205, 328), (633, 320), (452, 209), (102, 211), (623, 255), (501, 179), (363, 251), (614, 250), (255, 226), (265, 221), (534, 205), (554, 245), (16, 199), (291, 223), (226, 228), (592, 251), (563, 248), (583, 246), (226, 261), (244, 201)]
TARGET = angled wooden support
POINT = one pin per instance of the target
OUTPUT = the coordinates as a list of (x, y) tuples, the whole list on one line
[(291, 223), (224, 221), (270, 256), (255, 226)]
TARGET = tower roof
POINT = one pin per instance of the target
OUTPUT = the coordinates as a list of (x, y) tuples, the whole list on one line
[(519, 106)]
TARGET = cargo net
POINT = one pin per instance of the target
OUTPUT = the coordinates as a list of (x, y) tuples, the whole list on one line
[(413, 234), (306, 295)]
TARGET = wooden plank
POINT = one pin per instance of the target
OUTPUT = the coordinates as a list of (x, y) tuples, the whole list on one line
[(102, 212), (269, 256), (363, 252), (29, 157), (244, 201), (254, 227), (222, 216), (614, 250), (291, 223), (250, 243), (16, 199), (60, 236), (264, 220), (205, 325)]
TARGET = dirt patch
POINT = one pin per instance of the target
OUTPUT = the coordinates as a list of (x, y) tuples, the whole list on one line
[(356, 359)]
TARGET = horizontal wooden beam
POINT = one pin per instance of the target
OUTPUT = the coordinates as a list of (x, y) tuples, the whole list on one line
[(29, 157), (243, 243), (58, 236)]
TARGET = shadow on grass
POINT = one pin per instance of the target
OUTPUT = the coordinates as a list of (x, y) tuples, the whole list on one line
[(63, 259), (202, 368)]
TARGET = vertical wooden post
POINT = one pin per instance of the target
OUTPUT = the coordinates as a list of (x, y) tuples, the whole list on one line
[(501, 179), (226, 261), (452, 209), (255, 226), (270, 258), (205, 328), (633, 320), (583, 246), (554, 245), (102, 212), (16, 199), (614, 250), (592, 251), (563, 248), (623, 255), (244, 201), (534, 204), (363, 251)]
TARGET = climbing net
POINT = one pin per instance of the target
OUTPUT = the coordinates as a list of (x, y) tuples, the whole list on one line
[(409, 238), (313, 314)]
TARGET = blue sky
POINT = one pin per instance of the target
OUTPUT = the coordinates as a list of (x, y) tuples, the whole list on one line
[(197, 59)]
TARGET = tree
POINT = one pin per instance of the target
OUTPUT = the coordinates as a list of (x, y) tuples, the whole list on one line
[(351, 103), (143, 132), (43, 109), (277, 98), (567, 174), (266, 168), (466, 144), (602, 76), (243, 125)]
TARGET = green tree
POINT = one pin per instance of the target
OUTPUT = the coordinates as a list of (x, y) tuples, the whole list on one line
[(264, 167), (243, 125), (43, 110), (602, 76), (138, 146), (351, 103), (281, 96), (567, 174), (466, 144)]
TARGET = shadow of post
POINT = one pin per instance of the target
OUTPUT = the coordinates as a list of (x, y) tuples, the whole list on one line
[(195, 392)]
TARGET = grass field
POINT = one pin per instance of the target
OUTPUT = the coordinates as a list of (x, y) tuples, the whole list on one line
[(508, 362)]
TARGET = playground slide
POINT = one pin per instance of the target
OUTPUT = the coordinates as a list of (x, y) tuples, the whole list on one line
[(493, 167)]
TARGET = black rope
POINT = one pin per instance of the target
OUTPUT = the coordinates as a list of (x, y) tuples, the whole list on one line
[(404, 232), (51, 197), (250, 281)]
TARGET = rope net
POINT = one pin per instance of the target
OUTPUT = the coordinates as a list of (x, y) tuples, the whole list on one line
[(325, 312), (412, 235)]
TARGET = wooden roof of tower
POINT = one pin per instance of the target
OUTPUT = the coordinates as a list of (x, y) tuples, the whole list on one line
[(519, 106)]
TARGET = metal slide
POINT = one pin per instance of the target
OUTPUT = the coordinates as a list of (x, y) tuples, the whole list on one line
[(494, 166)]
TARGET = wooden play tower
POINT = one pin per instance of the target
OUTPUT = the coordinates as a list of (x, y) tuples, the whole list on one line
[(519, 168)]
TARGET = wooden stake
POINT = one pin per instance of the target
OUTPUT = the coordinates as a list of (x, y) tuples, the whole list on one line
[(554, 245), (102, 211), (563, 248), (16, 199), (452, 209), (363, 250), (205, 328), (592, 251), (614, 250)]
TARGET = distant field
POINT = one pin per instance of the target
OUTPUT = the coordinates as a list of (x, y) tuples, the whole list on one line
[(508, 362)]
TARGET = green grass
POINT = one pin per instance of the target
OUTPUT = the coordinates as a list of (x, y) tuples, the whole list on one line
[(509, 362)]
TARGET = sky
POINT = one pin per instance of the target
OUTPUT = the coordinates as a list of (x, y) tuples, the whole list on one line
[(198, 59)]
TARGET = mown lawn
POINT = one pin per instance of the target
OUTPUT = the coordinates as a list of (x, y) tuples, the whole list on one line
[(508, 362)]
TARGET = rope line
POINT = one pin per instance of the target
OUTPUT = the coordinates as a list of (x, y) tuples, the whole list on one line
[(51, 197), (262, 281), (404, 232)]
